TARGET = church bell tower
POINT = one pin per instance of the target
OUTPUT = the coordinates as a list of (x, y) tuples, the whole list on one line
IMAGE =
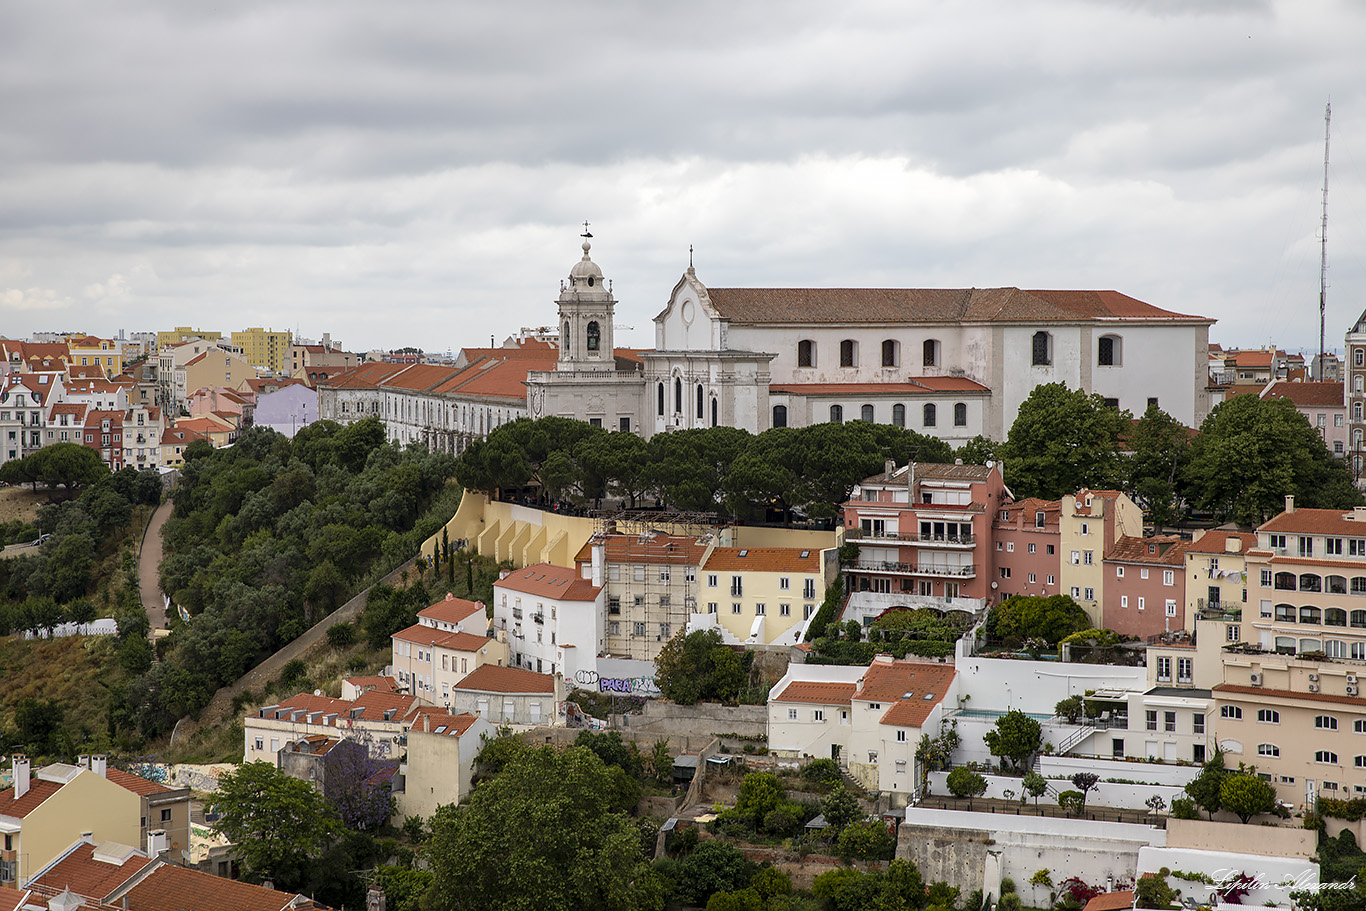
[(586, 309)]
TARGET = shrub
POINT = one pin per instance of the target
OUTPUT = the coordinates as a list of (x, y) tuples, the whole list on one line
[(824, 773), (1185, 808), (341, 635), (964, 782), (869, 839), (1009, 902), (293, 671), (1072, 801), (1154, 892)]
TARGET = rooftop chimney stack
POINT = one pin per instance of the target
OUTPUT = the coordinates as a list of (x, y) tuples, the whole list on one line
[(98, 764), (1290, 502), (21, 773), (83, 760), (157, 842)]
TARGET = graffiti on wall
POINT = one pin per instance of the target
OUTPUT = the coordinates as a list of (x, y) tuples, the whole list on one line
[(627, 686)]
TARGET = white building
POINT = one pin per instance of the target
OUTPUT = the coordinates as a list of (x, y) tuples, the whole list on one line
[(553, 619), (952, 363)]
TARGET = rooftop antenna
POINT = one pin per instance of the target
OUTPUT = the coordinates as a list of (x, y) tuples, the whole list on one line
[(1323, 239), (586, 232), (689, 256)]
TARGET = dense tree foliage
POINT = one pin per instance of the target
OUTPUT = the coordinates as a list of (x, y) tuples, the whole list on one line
[(1061, 441), (1206, 789), (715, 469), (1015, 737), (547, 832), (697, 667), (1251, 452), (1245, 795), (1024, 617), (65, 465), (278, 823), (1160, 454), (266, 537)]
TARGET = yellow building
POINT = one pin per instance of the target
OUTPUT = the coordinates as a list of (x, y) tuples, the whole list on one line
[(1216, 576), (1089, 523), (45, 812), (215, 367), (92, 351), (761, 595), (183, 334), (264, 348)]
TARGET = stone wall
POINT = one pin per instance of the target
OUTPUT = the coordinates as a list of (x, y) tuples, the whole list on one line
[(706, 719), (955, 856)]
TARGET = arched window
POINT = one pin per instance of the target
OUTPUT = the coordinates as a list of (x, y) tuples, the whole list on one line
[(594, 336), (1041, 349), (700, 400), (1309, 615), (1358, 620), (713, 411), (1356, 408), (1358, 382), (806, 353), (1335, 585), (898, 415), (564, 342), (678, 396), (866, 413), (960, 415), (1334, 616), (836, 414), (1109, 350), (660, 403), (930, 352), (1285, 582), (1359, 357), (779, 415), (848, 353), (1309, 582), (891, 352), (929, 416)]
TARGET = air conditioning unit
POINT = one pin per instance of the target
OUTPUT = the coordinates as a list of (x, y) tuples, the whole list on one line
[(1352, 689), (1256, 679), (1313, 687), (1314, 677), (1351, 678)]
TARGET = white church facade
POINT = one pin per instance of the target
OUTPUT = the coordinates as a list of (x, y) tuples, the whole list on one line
[(951, 363)]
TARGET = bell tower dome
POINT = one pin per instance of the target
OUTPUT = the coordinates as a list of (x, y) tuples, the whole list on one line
[(586, 309)]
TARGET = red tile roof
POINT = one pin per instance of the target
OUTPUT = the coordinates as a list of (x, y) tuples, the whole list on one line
[(1316, 521), (764, 559), (1307, 394), (549, 581), (364, 376), (135, 783), (452, 610), (1052, 509), (1164, 550), (1111, 901), (1265, 692), (928, 686), (430, 635), (1215, 542), (817, 692), (185, 889), (491, 678), (383, 684), (87, 876), (431, 720), (930, 305), (675, 550), (38, 792)]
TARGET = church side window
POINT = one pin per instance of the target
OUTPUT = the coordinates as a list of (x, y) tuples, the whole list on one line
[(929, 415), (960, 415), (594, 336), (898, 415), (848, 353), (660, 397), (1108, 351), (564, 342), (931, 352), (678, 396), (866, 414), (891, 352), (806, 353), (836, 414), (779, 415), (699, 400), (1041, 349), (714, 410)]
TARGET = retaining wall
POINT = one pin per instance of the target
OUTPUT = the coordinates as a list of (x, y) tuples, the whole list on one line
[(706, 719)]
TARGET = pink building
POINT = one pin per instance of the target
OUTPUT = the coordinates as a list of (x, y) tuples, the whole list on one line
[(1026, 547), (1145, 585), (924, 530)]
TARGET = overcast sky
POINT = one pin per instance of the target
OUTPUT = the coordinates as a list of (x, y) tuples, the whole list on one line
[(407, 173)]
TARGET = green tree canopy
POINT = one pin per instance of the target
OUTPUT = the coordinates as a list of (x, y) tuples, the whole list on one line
[(697, 667), (1206, 788), (1015, 737), (1252, 452), (278, 823), (544, 833), (1051, 618), (67, 465), (1061, 441), (1245, 795), (1160, 453)]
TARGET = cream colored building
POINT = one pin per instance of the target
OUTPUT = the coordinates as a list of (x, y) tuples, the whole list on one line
[(184, 334), (762, 595), (440, 766), (1089, 523), (264, 348), (43, 812), (443, 647), (214, 367)]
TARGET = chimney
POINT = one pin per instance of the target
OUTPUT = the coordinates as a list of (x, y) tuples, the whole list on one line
[(1233, 544), (98, 764), (888, 467), (21, 772), (83, 760), (88, 837), (157, 842), (1359, 513), (1290, 502)]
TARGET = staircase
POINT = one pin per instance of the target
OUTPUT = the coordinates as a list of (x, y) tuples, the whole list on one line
[(1074, 738)]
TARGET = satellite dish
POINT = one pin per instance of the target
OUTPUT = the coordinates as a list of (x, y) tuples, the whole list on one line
[(317, 692)]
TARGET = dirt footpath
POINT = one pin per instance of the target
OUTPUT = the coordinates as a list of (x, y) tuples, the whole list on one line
[(149, 583)]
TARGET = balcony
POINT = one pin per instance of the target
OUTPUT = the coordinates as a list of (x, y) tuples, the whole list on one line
[(918, 569), (538, 618), (1218, 610), (516, 613), (859, 534)]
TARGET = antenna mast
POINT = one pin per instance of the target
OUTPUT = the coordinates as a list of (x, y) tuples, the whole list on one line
[(1323, 239)]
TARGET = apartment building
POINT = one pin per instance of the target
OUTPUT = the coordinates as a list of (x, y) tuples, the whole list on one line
[(448, 641), (1354, 395), (552, 619), (24, 401), (181, 334), (1090, 522), (763, 595), (1026, 540), (923, 530), (1216, 575), (1145, 585), (440, 767), (174, 442), (90, 350), (264, 348), (380, 718), (509, 695)]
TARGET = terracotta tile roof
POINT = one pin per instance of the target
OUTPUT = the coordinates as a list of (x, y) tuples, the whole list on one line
[(196, 359), (38, 791), (1111, 901), (307, 703), (135, 783), (491, 678), (383, 684), (925, 690), (431, 720), (925, 385), (1343, 564), (1306, 394), (364, 376), (203, 425), (14, 900), (1052, 509), (545, 580), (1214, 541), (1163, 550), (817, 692), (675, 550), (180, 435), (1251, 359), (185, 889), (497, 377), (72, 408), (430, 635), (930, 305), (374, 704), (764, 559), (1316, 522), (85, 875), (1264, 692), (932, 471), (419, 377), (453, 610)]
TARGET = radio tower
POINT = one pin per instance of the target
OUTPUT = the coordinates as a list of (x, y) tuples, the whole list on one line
[(1323, 239)]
